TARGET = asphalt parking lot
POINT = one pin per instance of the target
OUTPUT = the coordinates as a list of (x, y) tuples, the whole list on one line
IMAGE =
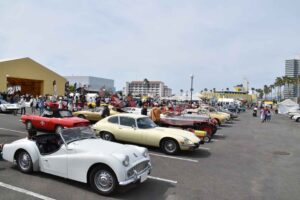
[(246, 160)]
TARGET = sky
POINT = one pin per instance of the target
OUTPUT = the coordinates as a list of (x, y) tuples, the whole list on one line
[(220, 42)]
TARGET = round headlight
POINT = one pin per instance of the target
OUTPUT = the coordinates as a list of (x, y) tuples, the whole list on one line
[(126, 161), (186, 140)]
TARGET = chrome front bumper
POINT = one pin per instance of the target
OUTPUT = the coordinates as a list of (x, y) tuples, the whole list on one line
[(137, 176)]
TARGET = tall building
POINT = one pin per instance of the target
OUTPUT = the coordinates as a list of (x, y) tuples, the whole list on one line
[(92, 84), (292, 69), (153, 88)]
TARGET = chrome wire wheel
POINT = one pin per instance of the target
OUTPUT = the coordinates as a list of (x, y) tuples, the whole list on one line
[(24, 162), (170, 146), (107, 136), (104, 181)]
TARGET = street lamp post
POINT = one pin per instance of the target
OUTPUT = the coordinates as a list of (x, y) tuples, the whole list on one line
[(192, 78)]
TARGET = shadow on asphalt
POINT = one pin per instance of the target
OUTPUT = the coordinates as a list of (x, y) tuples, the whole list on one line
[(148, 190), (199, 153), (219, 137), (151, 189), (226, 125)]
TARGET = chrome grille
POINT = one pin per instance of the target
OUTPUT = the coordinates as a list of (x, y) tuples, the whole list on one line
[(139, 168)]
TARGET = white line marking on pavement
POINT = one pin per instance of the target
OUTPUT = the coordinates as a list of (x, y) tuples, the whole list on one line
[(221, 135), (11, 187), (162, 179), (173, 157), (5, 129), (204, 148)]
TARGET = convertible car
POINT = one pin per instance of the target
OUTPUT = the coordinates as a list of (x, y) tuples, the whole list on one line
[(93, 115), (189, 121), (142, 130), (79, 155), (53, 121), (8, 107)]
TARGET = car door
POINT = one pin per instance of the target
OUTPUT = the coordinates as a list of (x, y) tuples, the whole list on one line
[(127, 130), (55, 163)]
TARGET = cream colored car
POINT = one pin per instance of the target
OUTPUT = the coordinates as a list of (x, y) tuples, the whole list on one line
[(142, 130)]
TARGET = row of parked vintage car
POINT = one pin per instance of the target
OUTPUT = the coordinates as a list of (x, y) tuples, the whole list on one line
[(86, 153), (295, 115)]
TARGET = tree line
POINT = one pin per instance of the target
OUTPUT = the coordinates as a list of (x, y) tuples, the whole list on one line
[(277, 86)]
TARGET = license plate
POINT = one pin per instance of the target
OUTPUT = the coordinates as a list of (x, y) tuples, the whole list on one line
[(144, 177)]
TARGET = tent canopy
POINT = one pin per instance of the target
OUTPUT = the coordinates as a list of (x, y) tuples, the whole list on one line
[(287, 106)]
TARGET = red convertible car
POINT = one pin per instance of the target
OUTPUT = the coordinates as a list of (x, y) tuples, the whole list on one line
[(53, 121)]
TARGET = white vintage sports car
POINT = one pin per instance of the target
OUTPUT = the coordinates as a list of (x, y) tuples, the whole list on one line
[(8, 107), (79, 155)]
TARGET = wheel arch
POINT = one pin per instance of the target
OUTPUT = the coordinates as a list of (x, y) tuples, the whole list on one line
[(33, 154), (98, 165), (165, 138)]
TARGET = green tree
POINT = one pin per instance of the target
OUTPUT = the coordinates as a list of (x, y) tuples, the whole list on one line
[(260, 93)]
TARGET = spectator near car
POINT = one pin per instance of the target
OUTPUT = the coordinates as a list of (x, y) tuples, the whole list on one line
[(155, 114)]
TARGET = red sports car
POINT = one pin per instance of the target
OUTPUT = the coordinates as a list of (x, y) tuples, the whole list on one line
[(53, 121)]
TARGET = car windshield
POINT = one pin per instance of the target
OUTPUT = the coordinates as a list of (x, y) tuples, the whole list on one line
[(145, 122), (78, 133), (99, 109), (65, 113), (3, 102)]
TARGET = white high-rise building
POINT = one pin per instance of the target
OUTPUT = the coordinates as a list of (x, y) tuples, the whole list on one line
[(292, 69), (150, 88)]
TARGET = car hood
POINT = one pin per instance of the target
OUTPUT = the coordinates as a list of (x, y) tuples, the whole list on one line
[(7, 105), (99, 146), (177, 132)]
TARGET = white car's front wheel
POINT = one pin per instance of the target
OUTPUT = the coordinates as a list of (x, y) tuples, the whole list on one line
[(103, 180), (24, 162)]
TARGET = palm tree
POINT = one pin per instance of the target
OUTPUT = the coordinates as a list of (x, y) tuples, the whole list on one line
[(298, 84), (181, 92), (260, 93), (205, 89), (271, 87), (279, 83), (266, 90)]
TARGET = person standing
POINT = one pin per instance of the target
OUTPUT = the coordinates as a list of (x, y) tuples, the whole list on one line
[(105, 112), (144, 109), (155, 114), (262, 115), (23, 106), (33, 103), (41, 105)]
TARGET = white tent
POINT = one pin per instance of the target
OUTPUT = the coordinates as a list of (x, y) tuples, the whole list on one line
[(287, 106)]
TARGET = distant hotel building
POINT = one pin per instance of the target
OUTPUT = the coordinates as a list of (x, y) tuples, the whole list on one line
[(154, 88), (92, 84), (292, 69)]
